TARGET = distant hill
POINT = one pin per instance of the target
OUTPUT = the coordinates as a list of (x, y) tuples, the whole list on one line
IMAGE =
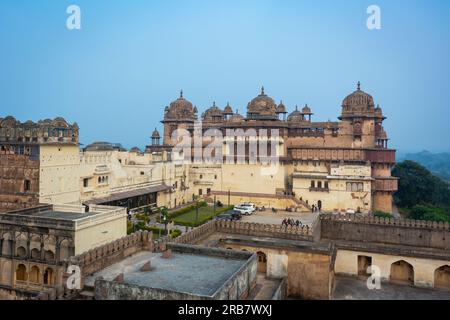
[(437, 163)]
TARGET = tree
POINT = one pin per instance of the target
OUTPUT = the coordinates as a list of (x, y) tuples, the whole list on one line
[(418, 186), (429, 213)]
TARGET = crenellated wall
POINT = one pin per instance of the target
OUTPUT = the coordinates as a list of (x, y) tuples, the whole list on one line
[(387, 231), (304, 233)]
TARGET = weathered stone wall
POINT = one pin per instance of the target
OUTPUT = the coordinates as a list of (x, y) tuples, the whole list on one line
[(104, 256), (388, 231), (14, 171)]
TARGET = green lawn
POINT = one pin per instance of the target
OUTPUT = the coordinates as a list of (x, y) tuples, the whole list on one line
[(204, 214)]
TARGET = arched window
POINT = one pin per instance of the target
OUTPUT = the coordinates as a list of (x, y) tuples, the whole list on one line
[(48, 277), (35, 254), (49, 255), (21, 273), (21, 252), (34, 274), (64, 250)]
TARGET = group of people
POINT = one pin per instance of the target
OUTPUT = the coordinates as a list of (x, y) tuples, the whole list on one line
[(290, 222), (315, 208)]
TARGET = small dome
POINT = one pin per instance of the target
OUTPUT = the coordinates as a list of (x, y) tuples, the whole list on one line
[(306, 110), (295, 116), (155, 134), (281, 108), (228, 110), (236, 117), (213, 114)]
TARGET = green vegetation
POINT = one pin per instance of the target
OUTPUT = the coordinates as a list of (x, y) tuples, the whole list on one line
[(380, 214), (421, 195), (205, 213)]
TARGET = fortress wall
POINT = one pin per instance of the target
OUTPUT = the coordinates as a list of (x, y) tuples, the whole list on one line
[(388, 231)]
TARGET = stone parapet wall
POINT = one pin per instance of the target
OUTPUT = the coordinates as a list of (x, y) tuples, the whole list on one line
[(265, 230), (387, 231), (104, 256), (304, 233)]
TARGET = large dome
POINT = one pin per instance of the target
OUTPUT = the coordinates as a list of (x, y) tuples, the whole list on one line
[(262, 107), (180, 109), (358, 99)]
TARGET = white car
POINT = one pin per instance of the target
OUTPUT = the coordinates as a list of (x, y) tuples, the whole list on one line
[(249, 206), (246, 211)]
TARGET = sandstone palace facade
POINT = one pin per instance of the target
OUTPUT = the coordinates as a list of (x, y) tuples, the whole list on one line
[(336, 166)]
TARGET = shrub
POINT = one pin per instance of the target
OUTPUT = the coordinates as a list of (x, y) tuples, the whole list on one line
[(381, 214), (175, 233)]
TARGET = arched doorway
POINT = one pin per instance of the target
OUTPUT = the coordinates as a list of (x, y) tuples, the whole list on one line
[(442, 278), (319, 205), (262, 262), (34, 274), (402, 272), (48, 277), (21, 273)]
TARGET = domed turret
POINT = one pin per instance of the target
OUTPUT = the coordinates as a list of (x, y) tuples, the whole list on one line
[(213, 114), (180, 109), (236, 117), (262, 107), (228, 110), (295, 116), (155, 137), (359, 104)]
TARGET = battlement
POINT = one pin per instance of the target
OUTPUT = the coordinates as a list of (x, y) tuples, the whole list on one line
[(106, 255), (304, 233), (402, 232), (388, 221)]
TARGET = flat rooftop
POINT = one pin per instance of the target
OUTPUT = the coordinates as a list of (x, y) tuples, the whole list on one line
[(195, 274), (351, 288), (59, 215)]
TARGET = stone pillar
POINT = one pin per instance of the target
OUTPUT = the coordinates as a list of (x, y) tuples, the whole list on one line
[(42, 249), (58, 251), (13, 247), (28, 249)]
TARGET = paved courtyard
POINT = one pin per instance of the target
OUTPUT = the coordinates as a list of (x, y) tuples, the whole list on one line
[(349, 288), (268, 217)]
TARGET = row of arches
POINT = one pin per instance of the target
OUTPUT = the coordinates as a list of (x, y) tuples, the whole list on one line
[(403, 272), (35, 254), (34, 275)]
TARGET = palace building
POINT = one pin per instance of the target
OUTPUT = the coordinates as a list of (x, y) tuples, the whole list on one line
[(342, 166)]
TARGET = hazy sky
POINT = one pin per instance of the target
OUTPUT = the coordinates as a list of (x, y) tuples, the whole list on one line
[(131, 58)]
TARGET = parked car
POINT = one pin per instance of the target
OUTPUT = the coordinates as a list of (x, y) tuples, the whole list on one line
[(231, 215), (246, 211), (248, 205)]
